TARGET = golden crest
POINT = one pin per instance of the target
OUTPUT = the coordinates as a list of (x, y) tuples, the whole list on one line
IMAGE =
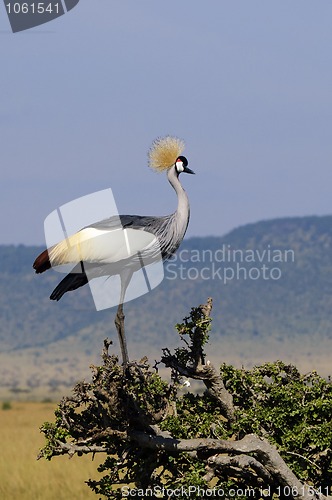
[(164, 152)]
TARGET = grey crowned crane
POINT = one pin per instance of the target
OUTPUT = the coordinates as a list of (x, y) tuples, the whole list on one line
[(102, 249)]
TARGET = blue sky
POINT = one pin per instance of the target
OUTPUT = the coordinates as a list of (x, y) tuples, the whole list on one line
[(247, 85)]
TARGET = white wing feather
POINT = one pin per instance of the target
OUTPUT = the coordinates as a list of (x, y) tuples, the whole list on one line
[(101, 246)]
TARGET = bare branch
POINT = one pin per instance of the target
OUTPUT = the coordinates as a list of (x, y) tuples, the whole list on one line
[(71, 449), (212, 380), (266, 462), (198, 369), (267, 454), (242, 462)]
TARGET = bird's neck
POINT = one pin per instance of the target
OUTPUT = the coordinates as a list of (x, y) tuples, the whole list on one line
[(183, 210)]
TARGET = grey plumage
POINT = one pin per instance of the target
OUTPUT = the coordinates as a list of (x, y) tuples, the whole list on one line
[(167, 230)]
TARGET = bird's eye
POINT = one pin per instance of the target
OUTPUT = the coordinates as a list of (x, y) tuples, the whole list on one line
[(181, 164), (184, 160)]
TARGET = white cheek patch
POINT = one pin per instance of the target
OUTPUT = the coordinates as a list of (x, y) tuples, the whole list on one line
[(179, 166)]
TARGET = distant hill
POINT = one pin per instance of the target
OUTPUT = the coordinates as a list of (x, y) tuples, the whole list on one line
[(271, 283)]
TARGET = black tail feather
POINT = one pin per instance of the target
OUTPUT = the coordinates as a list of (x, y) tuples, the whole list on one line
[(71, 282)]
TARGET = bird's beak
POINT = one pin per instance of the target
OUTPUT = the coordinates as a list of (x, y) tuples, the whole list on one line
[(188, 170)]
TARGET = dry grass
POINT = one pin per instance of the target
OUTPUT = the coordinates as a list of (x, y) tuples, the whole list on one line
[(25, 478)]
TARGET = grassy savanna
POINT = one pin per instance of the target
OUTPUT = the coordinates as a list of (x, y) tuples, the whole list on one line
[(25, 478)]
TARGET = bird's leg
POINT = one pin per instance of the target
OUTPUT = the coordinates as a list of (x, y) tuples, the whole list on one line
[(119, 318), (119, 323)]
